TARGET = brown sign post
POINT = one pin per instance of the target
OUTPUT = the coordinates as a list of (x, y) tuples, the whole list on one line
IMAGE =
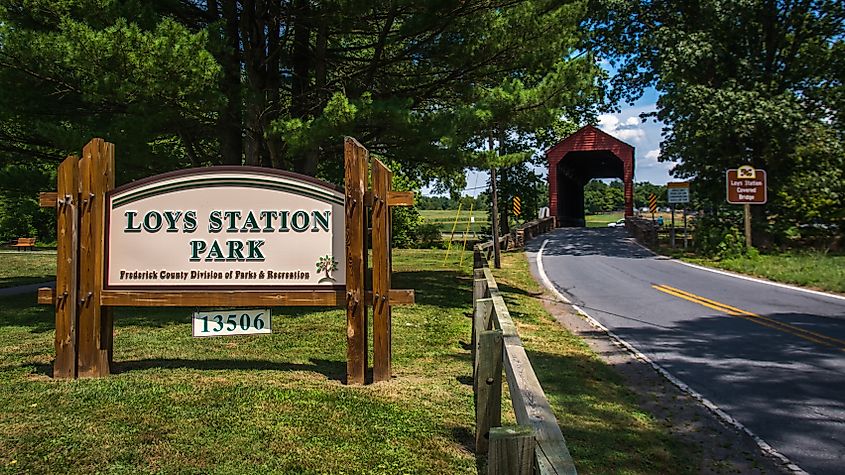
[(86, 202), (746, 186)]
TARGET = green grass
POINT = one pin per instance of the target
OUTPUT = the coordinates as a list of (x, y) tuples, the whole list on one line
[(809, 269), (276, 403), (20, 268), (602, 220), (605, 430), (445, 219), (271, 403)]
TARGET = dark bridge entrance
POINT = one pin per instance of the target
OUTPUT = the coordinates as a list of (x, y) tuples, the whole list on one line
[(573, 162)]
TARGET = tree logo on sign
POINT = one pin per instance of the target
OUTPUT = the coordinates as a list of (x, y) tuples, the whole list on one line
[(328, 265)]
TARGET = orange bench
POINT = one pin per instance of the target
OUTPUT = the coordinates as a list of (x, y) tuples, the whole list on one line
[(25, 243)]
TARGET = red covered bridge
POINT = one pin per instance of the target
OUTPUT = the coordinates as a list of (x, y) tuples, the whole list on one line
[(577, 159)]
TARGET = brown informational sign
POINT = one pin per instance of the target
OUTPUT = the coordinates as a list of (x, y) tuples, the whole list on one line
[(746, 185)]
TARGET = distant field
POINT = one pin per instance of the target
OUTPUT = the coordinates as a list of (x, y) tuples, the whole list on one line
[(445, 219), (601, 220)]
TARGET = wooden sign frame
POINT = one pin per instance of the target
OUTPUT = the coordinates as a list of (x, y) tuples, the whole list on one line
[(84, 323)]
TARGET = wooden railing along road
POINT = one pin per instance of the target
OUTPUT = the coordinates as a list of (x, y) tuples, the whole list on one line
[(517, 237), (536, 444)]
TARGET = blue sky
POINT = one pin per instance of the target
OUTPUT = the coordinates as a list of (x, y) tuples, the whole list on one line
[(644, 136)]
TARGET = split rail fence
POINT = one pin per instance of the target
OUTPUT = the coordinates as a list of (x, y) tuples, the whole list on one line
[(536, 444)]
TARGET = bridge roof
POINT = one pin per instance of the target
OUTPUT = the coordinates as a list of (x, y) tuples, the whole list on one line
[(590, 138)]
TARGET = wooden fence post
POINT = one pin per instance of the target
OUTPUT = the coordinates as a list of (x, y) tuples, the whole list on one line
[(511, 451), (381, 273), (488, 408), (95, 330), (355, 176), (484, 307), (66, 269)]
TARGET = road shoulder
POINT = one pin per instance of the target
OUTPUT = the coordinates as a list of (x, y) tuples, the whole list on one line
[(718, 448)]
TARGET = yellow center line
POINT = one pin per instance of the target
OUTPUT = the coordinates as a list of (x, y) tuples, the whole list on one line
[(716, 306), (832, 340), (753, 317)]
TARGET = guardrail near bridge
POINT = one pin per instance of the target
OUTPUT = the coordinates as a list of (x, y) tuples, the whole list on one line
[(536, 444), (517, 237)]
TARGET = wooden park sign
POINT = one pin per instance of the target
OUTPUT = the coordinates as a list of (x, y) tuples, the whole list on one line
[(219, 236)]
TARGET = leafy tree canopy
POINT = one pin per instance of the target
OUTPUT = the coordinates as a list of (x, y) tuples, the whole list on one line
[(750, 82), (278, 83)]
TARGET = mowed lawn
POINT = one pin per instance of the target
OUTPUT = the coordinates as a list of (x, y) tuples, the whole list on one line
[(277, 404), (250, 404), (26, 267), (602, 220), (817, 270)]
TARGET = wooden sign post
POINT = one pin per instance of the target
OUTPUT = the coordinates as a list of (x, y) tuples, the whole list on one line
[(108, 240)]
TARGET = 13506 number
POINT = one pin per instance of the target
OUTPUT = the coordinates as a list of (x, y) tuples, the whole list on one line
[(239, 322)]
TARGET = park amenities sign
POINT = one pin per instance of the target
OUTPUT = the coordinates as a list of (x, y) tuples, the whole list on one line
[(746, 185), (225, 227)]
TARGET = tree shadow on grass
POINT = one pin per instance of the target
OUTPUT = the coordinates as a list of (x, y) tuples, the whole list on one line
[(507, 290), (23, 311), (332, 370), (440, 288)]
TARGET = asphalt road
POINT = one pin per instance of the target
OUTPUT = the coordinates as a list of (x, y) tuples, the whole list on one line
[(773, 358)]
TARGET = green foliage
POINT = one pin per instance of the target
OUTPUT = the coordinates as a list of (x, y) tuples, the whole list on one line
[(600, 197), (721, 237), (753, 82), (644, 189), (20, 213), (445, 202), (428, 236), (522, 181), (812, 201), (176, 84), (77, 69)]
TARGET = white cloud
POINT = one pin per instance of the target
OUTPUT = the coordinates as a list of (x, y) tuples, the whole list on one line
[(608, 122), (636, 135), (651, 155), (626, 130)]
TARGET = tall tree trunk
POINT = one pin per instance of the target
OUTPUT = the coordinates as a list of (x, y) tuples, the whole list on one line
[(503, 207), (253, 28), (229, 122), (274, 142), (301, 102), (506, 186)]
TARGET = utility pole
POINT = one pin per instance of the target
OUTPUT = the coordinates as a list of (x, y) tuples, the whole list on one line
[(497, 253)]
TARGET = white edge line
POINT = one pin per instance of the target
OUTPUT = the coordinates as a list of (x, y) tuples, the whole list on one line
[(618, 341), (743, 277)]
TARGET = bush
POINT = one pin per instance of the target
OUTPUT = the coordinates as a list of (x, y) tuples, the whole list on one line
[(429, 237), (720, 237), (405, 224)]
